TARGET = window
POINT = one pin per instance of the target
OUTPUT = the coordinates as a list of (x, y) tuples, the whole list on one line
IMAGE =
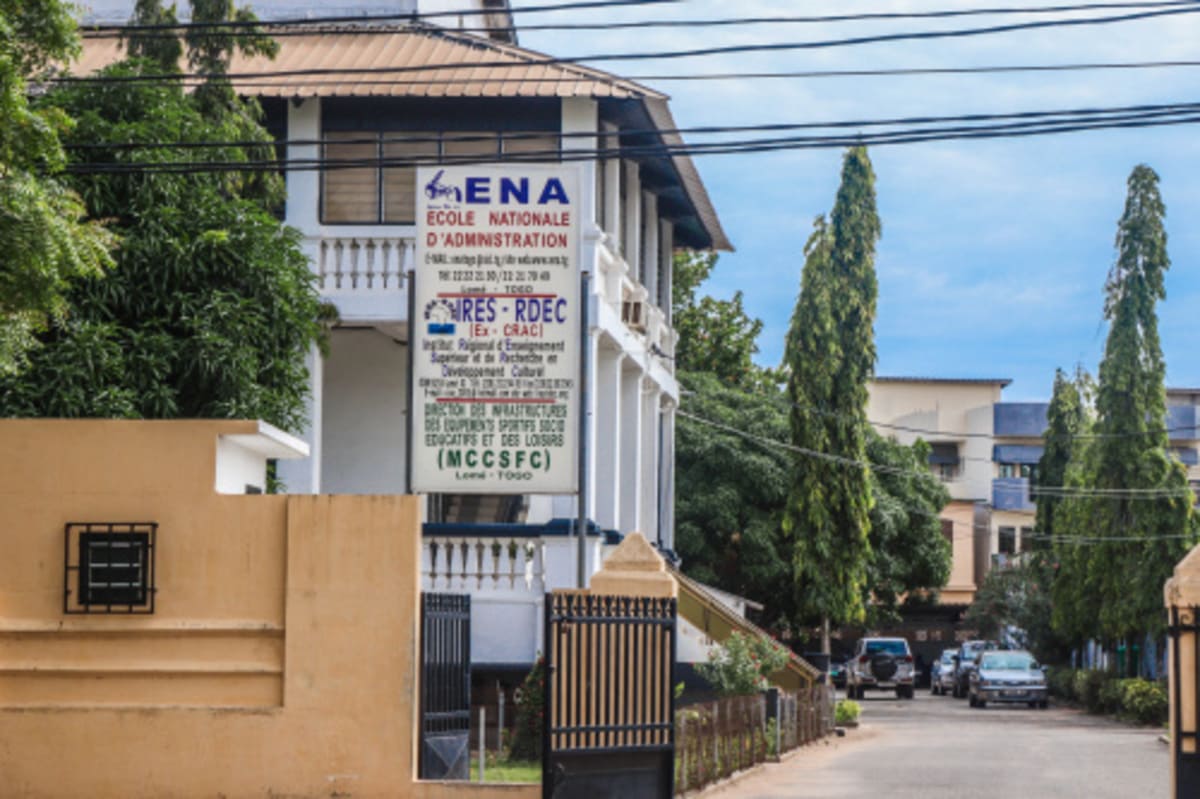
[(1019, 470), (948, 531), (109, 568), (367, 192), (1008, 540), (1027, 540)]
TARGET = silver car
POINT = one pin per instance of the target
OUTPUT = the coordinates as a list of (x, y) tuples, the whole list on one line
[(941, 673), (1007, 676)]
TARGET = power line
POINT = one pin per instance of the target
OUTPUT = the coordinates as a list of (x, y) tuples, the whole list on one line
[(409, 17), (1139, 494), (421, 137), (635, 152), (270, 26), (669, 54)]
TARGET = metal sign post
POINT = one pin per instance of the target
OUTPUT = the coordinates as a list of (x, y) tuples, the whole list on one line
[(585, 352)]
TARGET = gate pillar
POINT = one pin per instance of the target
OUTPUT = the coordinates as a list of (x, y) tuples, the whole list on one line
[(1182, 597), (635, 569)]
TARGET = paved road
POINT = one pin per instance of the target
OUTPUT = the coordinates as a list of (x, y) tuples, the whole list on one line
[(938, 747)]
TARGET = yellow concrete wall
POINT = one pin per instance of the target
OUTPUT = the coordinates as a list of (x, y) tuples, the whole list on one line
[(960, 589), (281, 659)]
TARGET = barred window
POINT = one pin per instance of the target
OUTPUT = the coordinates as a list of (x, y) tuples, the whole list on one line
[(382, 192), (109, 567)]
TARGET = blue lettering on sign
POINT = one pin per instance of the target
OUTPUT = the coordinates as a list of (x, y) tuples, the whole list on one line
[(477, 309), (540, 310), (479, 191), (516, 191)]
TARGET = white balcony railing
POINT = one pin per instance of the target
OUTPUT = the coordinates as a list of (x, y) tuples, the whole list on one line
[(362, 271), (482, 565)]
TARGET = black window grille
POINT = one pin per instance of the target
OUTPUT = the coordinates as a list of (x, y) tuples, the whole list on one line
[(109, 567)]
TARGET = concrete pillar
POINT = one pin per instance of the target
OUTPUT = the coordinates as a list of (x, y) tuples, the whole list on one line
[(304, 186), (303, 476), (1181, 594), (666, 479), (631, 447), (631, 225), (666, 254), (648, 474), (607, 454), (650, 253), (635, 569)]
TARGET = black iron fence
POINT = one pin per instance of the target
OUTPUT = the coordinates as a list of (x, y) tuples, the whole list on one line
[(1184, 629), (445, 686)]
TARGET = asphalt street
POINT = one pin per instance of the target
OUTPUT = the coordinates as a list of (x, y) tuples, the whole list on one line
[(934, 747)]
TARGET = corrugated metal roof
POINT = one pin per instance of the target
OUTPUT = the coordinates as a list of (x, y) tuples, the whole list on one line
[(988, 381), (398, 61)]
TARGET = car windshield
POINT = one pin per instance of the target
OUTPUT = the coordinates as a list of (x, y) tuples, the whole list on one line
[(1008, 661), (890, 647), (947, 657)]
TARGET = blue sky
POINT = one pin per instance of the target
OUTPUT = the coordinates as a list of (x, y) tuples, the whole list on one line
[(994, 254)]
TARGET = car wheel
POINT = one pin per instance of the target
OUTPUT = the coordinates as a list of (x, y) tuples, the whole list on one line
[(970, 700), (981, 703), (910, 692), (933, 689), (1044, 704), (1033, 705)]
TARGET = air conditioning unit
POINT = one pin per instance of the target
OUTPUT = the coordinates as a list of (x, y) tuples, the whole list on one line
[(633, 314)]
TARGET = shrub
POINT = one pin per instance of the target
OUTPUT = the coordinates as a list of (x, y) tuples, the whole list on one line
[(846, 712), (1110, 695), (1087, 685), (527, 737), (1061, 682), (1144, 701), (740, 665)]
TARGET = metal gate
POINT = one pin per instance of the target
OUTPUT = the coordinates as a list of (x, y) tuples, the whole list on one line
[(609, 729), (1185, 717), (445, 752)]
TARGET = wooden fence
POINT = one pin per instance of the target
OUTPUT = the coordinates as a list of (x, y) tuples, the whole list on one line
[(716, 739)]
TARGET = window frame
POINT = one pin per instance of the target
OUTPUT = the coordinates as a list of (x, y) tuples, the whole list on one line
[(78, 538)]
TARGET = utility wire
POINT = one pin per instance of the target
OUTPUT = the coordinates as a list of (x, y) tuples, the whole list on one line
[(1139, 494), (668, 54), (395, 137), (409, 17), (271, 26), (645, 152)]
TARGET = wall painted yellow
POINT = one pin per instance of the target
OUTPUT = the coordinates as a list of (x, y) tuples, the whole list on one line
[(281, 659)]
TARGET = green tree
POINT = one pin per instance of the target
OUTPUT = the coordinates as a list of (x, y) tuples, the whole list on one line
[(910, 558), (731, 490), (715, 336), (1017, 600), (44, 236), (1065, 420), (1112, 587), (210, 310), (830, 351)]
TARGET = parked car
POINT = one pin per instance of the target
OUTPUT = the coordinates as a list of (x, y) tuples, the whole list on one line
[(837, 672), (941, 673), (1007, 676), (880, 664), (967, 654)]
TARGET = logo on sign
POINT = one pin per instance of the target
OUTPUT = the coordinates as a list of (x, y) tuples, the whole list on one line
[(434, 189), (440, 316)]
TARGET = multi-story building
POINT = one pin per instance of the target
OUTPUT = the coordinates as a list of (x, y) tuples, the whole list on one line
[(369, 92), (986, 451)]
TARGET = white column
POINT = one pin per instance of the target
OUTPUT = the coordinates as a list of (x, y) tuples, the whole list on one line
[(304, 185), (648, 473), (612, 195), (666, 490), (666, 253), (303, 476), (632, 223), (650, 267), (608, 438), (631, 448)]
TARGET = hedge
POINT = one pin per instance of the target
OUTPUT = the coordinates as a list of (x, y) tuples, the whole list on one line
[(1135, 699)]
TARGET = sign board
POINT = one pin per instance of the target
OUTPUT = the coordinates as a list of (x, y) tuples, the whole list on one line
[(496, 330)]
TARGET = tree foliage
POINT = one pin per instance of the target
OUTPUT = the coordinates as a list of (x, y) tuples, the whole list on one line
[(210, 310), (731, 490), (1066, 418), (1112, 588), (830, 352), (910, 558), (715, 336), (45, 239), (1017, 602), (741, 664)]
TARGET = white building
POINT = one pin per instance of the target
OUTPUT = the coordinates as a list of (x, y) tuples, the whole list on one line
[(486, 98)]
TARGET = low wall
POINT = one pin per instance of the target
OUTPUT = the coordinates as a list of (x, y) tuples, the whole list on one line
[(281, 657)]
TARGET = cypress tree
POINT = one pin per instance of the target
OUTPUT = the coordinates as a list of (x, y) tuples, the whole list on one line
[(1117, 581), (1065, 420), (830, 354)]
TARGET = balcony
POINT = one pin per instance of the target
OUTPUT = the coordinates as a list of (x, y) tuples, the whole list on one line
[(1019, 419), (1012, 493), (363, 271)]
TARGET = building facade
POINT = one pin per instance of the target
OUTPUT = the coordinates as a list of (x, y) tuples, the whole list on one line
[(365, 102), (986, 452)]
